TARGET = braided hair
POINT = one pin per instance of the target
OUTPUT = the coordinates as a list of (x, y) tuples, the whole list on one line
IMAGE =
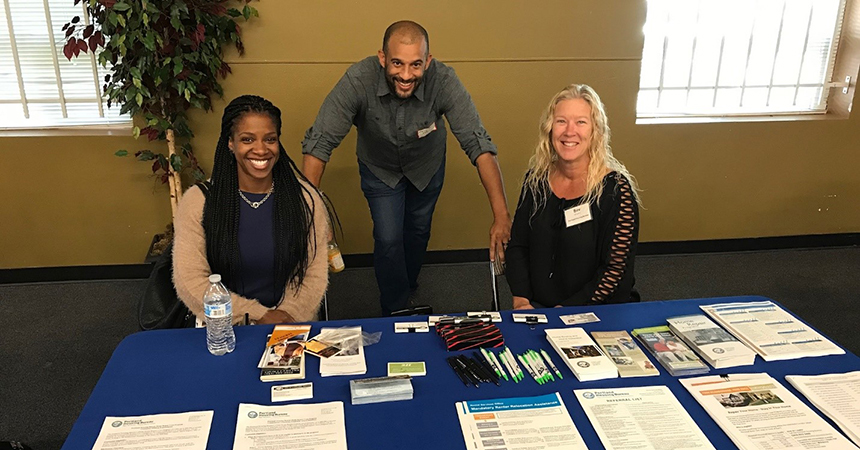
[(292, 217)]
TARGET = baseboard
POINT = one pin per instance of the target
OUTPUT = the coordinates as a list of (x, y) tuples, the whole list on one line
[(364, 260)]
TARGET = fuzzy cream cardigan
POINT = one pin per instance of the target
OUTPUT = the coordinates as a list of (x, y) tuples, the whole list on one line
[(191, 268)]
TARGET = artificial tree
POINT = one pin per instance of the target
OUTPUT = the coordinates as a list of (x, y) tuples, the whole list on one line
[(164, 57)]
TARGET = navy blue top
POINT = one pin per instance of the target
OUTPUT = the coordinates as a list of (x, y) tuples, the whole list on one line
[(257, 251)]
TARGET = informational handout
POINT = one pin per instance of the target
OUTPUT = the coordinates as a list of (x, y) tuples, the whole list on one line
[(771, 331), (641, 418), (188, 431), (837, 395), (757, 412), (350, 360), (318, 426), (533, 423)]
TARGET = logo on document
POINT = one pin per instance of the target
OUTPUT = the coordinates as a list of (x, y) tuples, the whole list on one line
[(116, 423), (583, 364), (718, 351), (252, 414), (588, 395)]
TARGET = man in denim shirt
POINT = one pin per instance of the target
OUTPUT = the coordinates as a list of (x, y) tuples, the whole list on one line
[(396, 100)]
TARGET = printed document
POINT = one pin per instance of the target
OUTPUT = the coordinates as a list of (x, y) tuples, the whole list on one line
[(837, 395), (641, 418), (350, 360), (771, 331), (188, 431), (317, 426), (532, 423), (757, 412)]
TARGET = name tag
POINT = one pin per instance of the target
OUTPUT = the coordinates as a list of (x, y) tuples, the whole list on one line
[(576, 215), (426, 131)]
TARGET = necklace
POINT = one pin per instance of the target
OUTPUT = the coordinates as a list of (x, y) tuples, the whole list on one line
[(256, 205)]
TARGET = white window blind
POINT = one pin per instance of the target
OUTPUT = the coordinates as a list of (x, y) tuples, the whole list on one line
[(738, 57), (39, 87)]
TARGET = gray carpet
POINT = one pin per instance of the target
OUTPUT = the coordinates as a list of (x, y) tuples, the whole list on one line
[(61, 335)]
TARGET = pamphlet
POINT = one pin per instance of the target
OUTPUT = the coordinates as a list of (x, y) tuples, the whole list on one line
[(188, 431), (581, 354), (641, 418), (317, 426), (837, 395), (670, 351), (757, 412), (575, 319), (533, 423), (771, 331), (284, 357), (630, 360), (719, 348), (350, 360)]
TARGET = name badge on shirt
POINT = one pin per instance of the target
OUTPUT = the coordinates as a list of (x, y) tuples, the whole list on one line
[(576, 215), (426, 131)]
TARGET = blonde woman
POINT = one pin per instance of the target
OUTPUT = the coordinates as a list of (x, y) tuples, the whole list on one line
[(574, 234)]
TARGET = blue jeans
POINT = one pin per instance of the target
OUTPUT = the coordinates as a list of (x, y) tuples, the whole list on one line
[(401, 229)]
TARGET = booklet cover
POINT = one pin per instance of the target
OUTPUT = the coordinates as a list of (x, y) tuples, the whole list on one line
[(630, 360), (581, 354), (283, 358), (719, 348), (676, 357)]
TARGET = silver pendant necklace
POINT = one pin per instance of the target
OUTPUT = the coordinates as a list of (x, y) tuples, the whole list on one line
[(256, 205)]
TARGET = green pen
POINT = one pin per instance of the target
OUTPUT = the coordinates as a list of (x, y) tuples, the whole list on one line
[(497, 364), (490, 362), (513, 372), (524, 359), (543, 367), (551, 365)]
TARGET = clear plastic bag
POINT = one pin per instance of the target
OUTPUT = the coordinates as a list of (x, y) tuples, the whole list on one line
[(346, 338)]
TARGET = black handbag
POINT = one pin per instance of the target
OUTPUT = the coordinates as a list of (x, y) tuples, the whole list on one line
[(160, 306)]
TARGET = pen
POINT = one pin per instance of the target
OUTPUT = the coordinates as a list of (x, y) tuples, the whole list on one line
[(529, 369), (485, 373), (551, 364), (498, 365), (539, 369), (457, 371), (510, 369), (466, 371), (542, 368), (490, 362), (510, 355)]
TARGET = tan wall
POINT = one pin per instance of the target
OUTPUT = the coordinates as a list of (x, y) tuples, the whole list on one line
[(68, 201)]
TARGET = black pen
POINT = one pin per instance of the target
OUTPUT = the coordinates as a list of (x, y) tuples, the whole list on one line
[(476, 380), (474, 369), (457, 371), (487, 370)]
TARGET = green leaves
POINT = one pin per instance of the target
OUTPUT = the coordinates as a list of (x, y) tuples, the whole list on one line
[(164, 57)]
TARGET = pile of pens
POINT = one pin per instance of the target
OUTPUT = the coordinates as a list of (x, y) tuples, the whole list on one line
[(489, 369)]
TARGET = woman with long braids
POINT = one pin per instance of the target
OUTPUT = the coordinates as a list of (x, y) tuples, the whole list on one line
[(573, 240), (263, 227)]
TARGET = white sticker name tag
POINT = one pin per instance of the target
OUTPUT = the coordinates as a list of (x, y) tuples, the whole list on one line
[(411, 327), (287, 392), (576, 215), (425, 131)]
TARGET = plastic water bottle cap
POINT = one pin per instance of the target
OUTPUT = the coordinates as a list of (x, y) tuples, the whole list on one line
[(214, 278)]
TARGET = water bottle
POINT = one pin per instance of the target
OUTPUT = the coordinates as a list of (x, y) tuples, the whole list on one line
[(218, 308), (335, 259)]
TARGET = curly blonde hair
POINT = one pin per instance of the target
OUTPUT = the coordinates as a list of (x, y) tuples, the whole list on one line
[(601, 160)]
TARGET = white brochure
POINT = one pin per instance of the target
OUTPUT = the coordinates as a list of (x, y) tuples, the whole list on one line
[(350, 360), (573, 319), (188, 431), (837, 395), (318, 426), (641, 418), (756, 412), (533, 423), (771, 331)]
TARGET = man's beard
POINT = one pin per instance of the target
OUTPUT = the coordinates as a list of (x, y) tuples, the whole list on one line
[(392, 85)]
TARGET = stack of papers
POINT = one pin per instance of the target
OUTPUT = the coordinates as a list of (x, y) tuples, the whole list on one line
[(714, 344), (380, 389), (757, 412), (284, 357), (623, 351), (350, 360), (770, 330), (837, 395), (581, 354), (642, 418), (676, 357), (540, 422)]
